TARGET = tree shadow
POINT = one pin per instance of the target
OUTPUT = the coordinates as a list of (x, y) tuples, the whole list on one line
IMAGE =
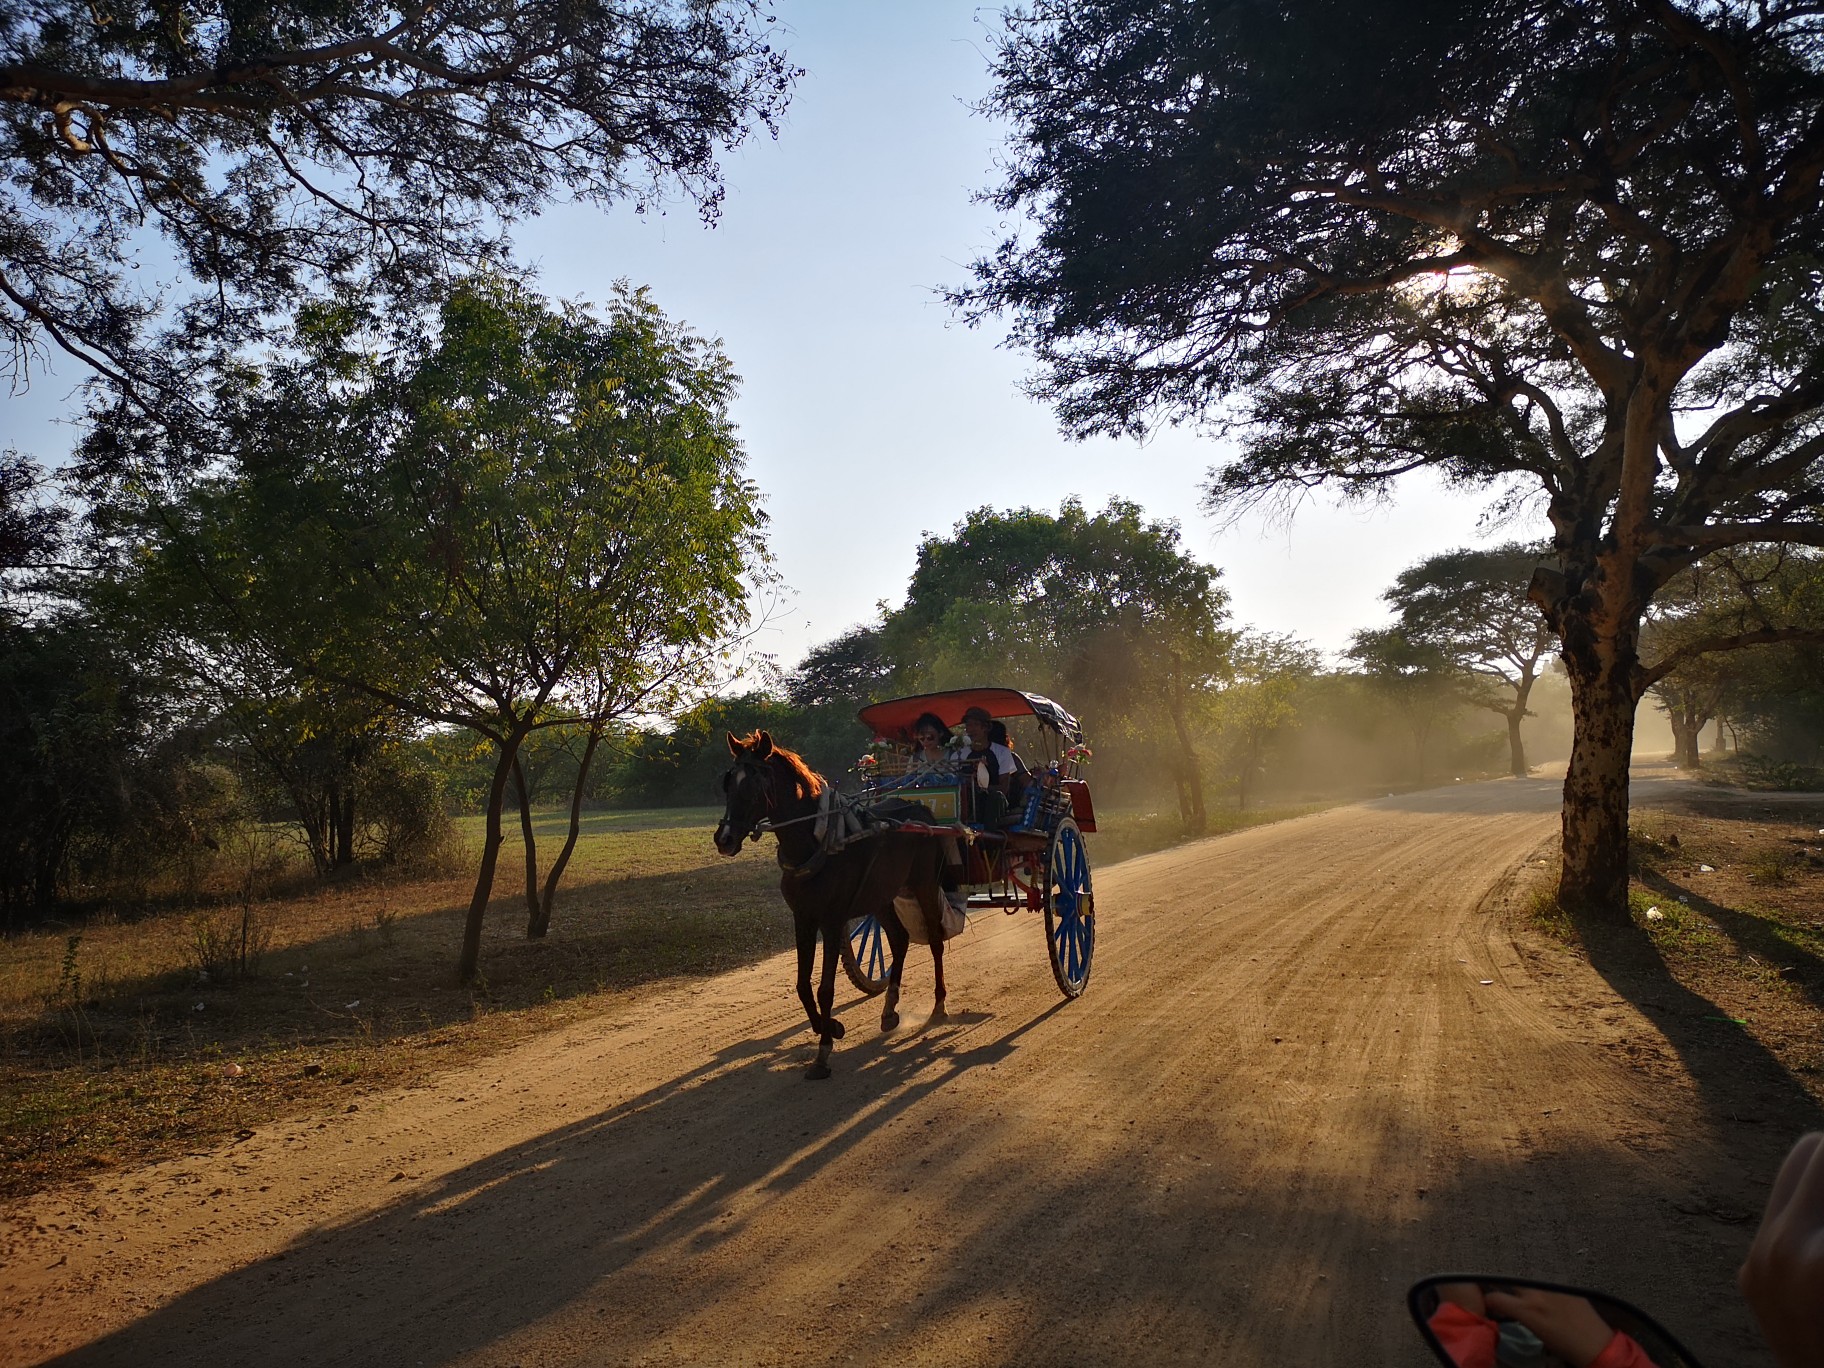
[(1749, 1098), (1756, 935), (606, 1235)]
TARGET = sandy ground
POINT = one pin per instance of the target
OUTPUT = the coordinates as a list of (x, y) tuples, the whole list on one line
[(1287, 1093)]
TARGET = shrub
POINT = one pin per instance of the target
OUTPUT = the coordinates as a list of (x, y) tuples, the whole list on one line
[(408, 827)]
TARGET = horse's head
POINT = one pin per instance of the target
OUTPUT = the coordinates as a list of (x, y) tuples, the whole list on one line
[(748, 788)]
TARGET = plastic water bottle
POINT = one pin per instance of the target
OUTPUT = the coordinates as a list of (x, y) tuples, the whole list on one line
[(1518, 1347)]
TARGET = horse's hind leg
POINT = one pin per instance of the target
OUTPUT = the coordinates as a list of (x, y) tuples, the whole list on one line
[(931, 901), (897, 941), (826, 1002)]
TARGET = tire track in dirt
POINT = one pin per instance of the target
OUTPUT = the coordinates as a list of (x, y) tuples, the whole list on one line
[(1286, 1093)]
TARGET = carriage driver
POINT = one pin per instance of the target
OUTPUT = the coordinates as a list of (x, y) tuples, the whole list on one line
[(982, 749)]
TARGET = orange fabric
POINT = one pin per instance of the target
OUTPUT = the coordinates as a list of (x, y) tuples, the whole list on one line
[(1469, 1339), (1622, 1352)]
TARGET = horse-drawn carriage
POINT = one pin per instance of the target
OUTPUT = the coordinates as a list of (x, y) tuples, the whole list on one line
[(1029, 858), (866, 873)]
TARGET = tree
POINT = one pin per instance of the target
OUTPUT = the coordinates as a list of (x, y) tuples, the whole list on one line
[(1738, 595), (279, 147), (847, 671), (1561, 248), (522, 517), (1260, 703), (1416, 679), (32, 528), (1471, 606), (1107, 611)]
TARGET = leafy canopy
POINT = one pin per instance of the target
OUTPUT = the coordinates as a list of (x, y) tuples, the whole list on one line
[(1568, 248), (1471, 605), (1107, 611), (270, 149), (523, 507)]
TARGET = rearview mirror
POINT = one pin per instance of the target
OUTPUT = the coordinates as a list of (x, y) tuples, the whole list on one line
[(1474, 1320)]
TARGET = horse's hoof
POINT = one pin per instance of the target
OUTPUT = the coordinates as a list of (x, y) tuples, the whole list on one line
[(817, 1071), (836, 1029), (888, 1021), (939, 1014)]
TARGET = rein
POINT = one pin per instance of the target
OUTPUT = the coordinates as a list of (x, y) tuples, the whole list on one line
[(831, 836)]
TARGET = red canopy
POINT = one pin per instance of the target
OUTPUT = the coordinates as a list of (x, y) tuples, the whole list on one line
[(896, 716)]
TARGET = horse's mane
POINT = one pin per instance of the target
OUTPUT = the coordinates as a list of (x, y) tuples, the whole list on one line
[(809, 782)]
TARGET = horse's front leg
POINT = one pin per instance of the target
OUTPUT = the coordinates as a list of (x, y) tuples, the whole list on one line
[(826, 1003), (806, 932)]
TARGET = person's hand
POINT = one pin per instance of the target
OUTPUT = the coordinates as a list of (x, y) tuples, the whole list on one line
[(1567, 1323), (1783, 1279), (1464, 1294)]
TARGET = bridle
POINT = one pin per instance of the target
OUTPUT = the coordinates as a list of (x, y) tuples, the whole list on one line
[(762, 772)]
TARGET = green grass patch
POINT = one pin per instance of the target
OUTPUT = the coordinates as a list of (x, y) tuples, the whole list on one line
[(1673, 926), (1543, 911)]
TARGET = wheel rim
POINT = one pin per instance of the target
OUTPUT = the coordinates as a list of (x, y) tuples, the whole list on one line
[(1073, 917), (868, 946)]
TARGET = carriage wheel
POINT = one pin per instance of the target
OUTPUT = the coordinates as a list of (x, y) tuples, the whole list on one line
[(866, 955), (1070, 909)]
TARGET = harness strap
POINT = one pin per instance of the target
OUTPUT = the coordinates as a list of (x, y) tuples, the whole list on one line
[(840, 822)]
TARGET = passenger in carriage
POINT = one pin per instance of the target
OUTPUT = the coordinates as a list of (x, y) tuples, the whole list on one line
[(981, 749), (992, 765), (931, 756), (1020, 780), (930, 747)]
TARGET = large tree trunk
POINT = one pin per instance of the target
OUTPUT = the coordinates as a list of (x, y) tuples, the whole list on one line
[(542, 922), (1595, 873), (490, 857), (523, 792), (1684, 742)]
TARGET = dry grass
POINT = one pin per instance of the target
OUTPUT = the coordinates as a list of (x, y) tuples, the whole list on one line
[(1737, 883), (126, 1039), (116, 1045)]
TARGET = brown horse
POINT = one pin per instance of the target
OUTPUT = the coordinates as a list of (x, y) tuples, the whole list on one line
[(826, 891)]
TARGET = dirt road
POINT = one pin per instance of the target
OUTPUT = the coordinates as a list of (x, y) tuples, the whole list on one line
[(1288, 1091)]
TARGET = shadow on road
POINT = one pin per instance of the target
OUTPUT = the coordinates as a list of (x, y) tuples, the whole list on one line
[(562, 1235)]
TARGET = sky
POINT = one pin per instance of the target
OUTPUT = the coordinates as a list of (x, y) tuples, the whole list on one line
[(871, 416)]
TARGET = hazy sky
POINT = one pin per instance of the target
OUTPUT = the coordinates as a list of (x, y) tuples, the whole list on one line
[(870, 415)]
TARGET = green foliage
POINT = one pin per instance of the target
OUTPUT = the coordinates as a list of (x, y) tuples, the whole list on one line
[(1259, 706), (681, 767), (1470, 606), (405, 813), (1701, 629), (847, 671), (103, 794), (32, 528), (283, 147), (1518, 244), (1416, 679), (523, 516), (1107, 612)]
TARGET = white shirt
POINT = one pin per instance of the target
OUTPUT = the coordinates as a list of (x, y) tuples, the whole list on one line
[(1005, 765)]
